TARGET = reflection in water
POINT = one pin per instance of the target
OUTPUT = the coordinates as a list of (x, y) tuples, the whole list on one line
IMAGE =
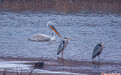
[(96, 67), (61, 60), (66, 6), (96, 62)]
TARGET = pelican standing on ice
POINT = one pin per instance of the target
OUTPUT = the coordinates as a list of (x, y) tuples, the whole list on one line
[(97, 50), (63, 44), (43, 37)]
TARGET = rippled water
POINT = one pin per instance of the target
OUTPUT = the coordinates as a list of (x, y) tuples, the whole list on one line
[(87, 22), (86, 30)]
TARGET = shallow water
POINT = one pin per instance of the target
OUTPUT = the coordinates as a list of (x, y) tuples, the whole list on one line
[(86, 30)]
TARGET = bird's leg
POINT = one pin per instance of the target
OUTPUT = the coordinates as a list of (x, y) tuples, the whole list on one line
[(62, 54), (99, 57)]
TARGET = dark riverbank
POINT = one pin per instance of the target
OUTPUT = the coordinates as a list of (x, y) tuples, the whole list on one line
[(65, 6)]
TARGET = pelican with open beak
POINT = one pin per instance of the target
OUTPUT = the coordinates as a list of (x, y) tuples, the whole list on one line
[(43, 37)]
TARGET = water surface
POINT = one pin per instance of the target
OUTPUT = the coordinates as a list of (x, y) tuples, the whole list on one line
[(86, 26), (86, 30)]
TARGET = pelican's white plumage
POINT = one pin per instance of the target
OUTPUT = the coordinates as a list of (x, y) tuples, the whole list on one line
[(43, 37)]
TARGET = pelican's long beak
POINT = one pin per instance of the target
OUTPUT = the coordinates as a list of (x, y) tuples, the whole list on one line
[(69, 38), (53, 28)]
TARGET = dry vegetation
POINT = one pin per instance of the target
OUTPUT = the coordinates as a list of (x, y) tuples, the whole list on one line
[(67, 6)]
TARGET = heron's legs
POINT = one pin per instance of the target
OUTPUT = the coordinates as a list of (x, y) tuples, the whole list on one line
[(62, 54), (99, 57)]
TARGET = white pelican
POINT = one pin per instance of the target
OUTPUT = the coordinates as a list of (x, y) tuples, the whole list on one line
[(97, 50), (43, 37), (63, 44)]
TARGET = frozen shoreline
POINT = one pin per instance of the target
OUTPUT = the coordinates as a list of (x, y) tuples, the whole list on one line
[(16, 66), (68, 67)]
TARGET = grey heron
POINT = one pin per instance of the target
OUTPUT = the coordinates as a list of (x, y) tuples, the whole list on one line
[(97, 50), (43, 37), (63, 44)]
